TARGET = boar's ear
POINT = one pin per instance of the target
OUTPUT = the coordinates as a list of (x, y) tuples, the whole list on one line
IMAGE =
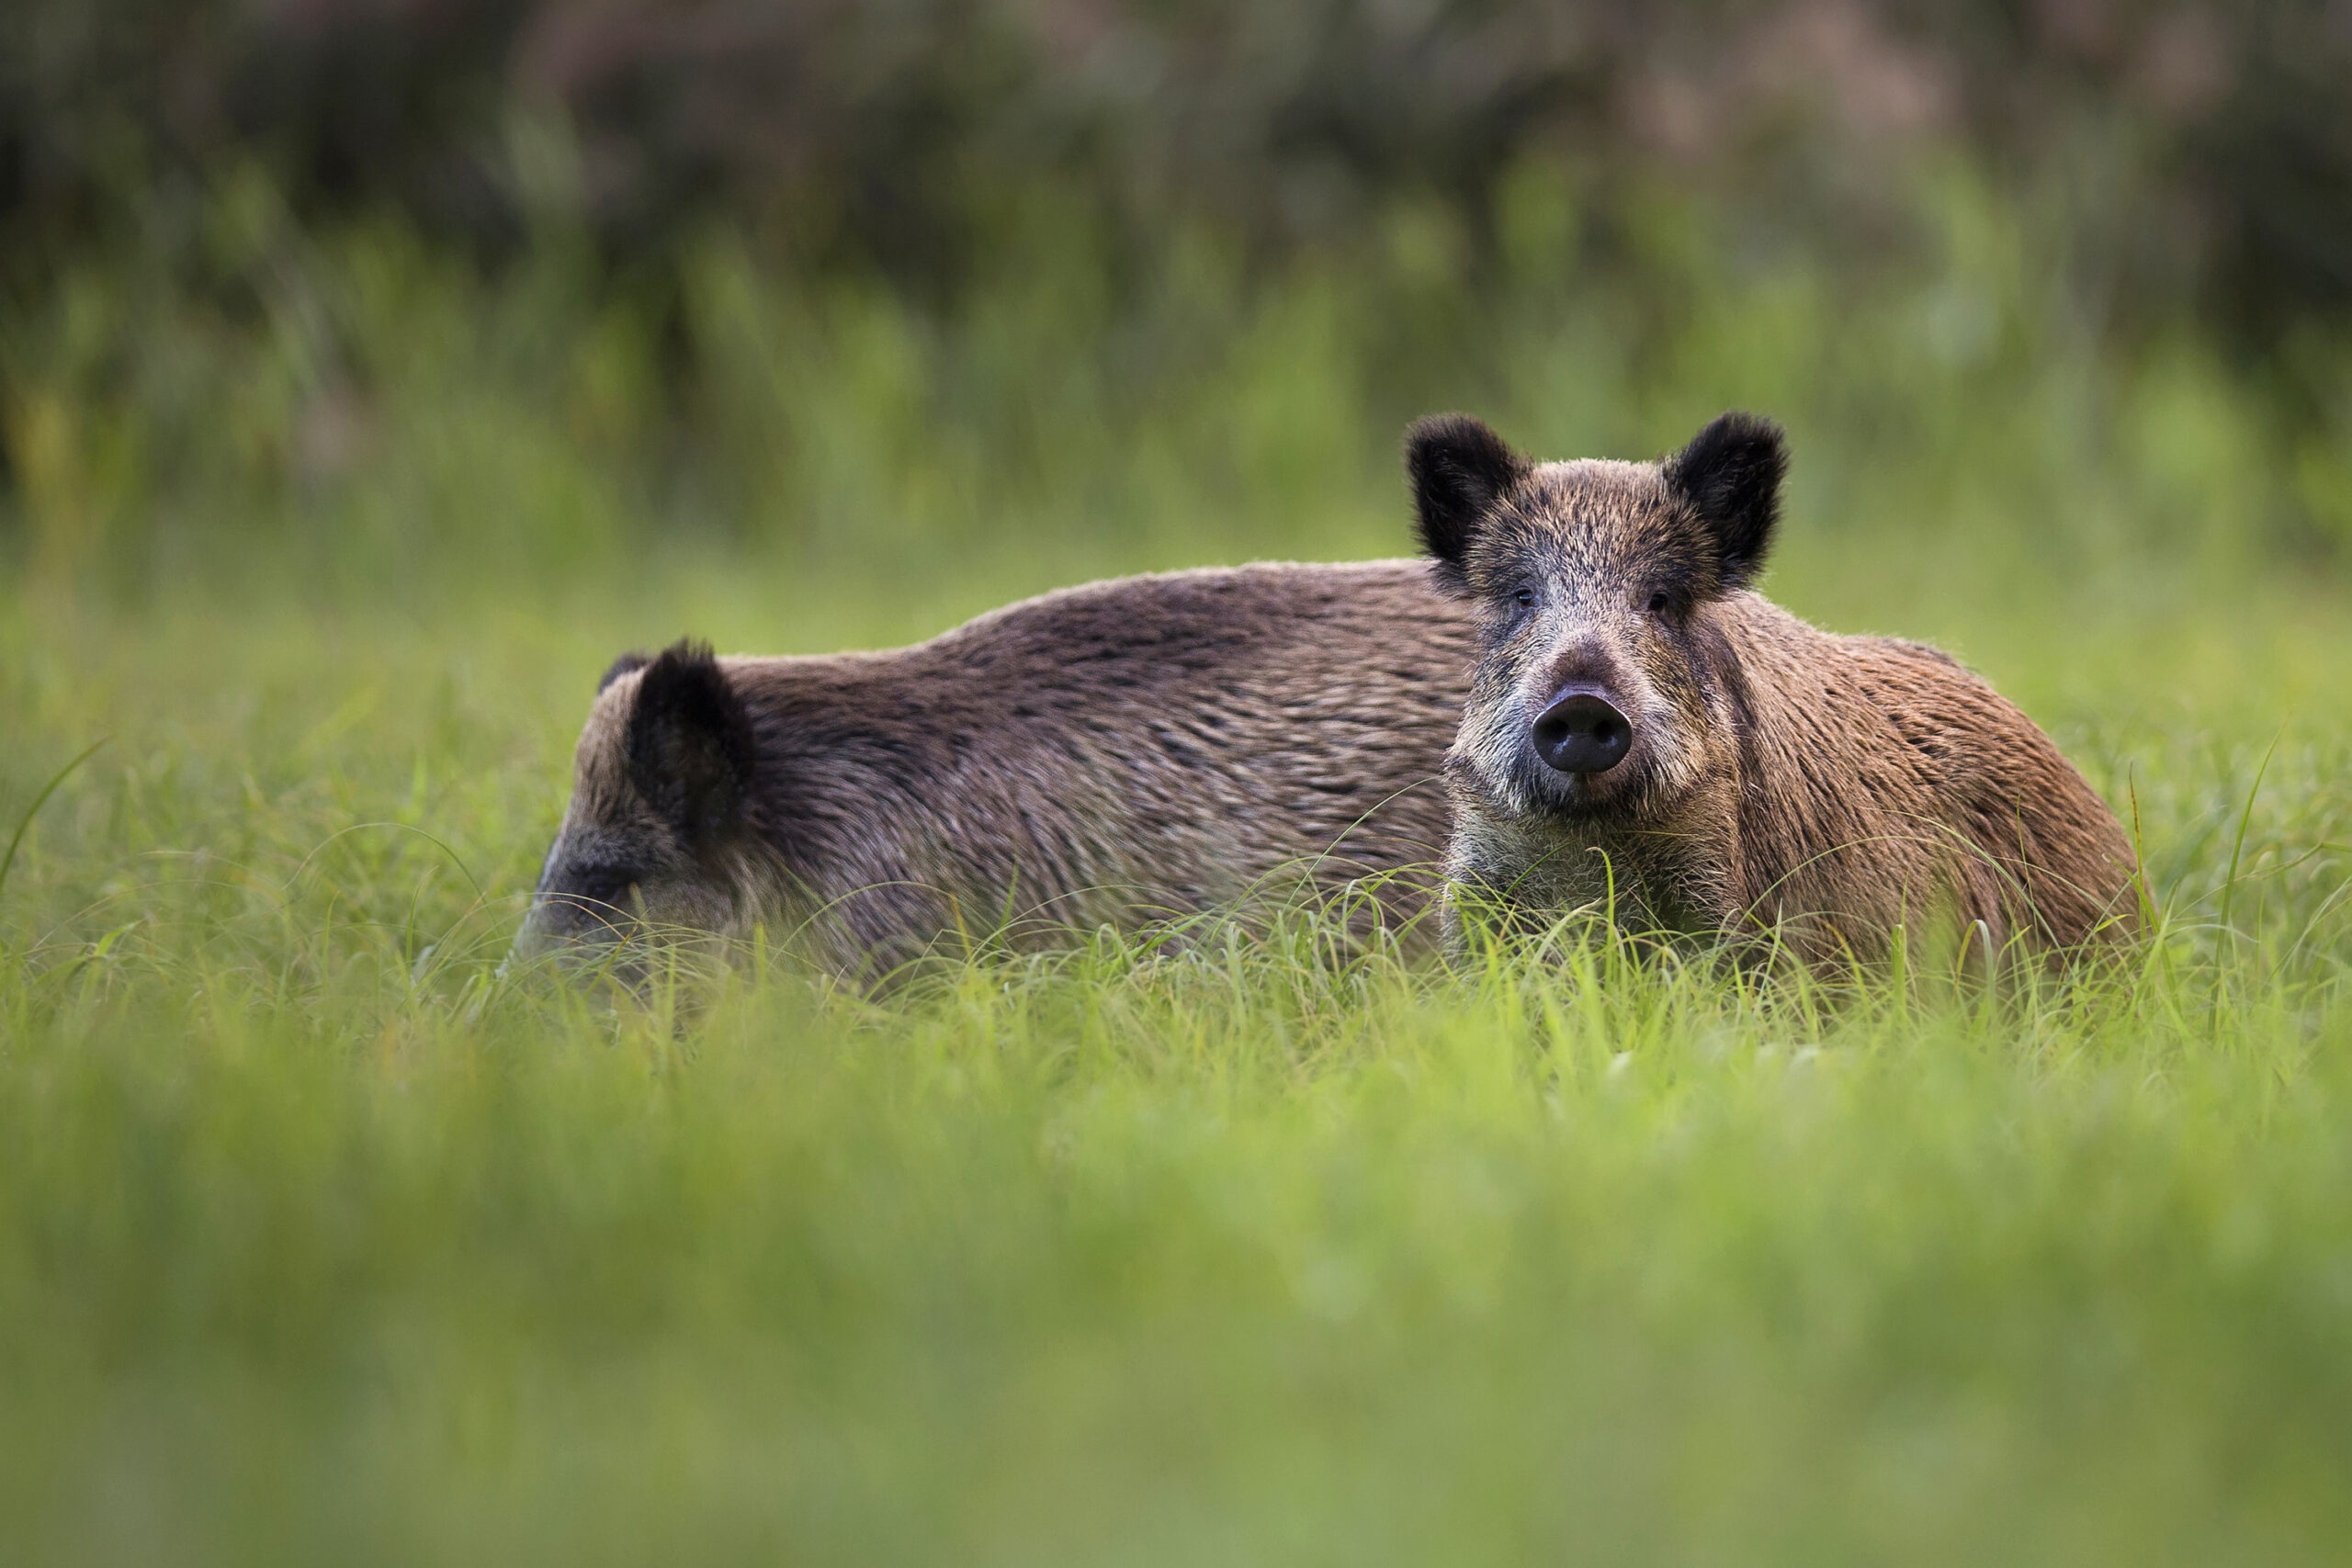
[(625, 665), (1459, 470), (1730, 475), (690, 743)]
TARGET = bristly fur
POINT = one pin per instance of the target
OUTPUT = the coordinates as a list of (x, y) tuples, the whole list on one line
[(1730, 475), (626, 664), (1459, 468), (1124, 753), (1781, 783), (690, 746)]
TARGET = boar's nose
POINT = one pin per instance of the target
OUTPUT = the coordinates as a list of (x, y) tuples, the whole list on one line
[(1582, 732)]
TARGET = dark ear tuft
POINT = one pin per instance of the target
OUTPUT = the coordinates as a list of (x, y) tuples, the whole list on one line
[(1730, 475), (690, 743), (619, 667), (1459, 470)]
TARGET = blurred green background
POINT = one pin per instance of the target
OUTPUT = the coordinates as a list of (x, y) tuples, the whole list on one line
[(371, 371), (387, 298)]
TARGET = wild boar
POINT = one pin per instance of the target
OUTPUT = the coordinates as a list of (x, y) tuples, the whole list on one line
[(1121, 754), (1646, 733)]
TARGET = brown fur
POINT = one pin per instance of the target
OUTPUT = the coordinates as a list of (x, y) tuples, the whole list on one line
[(1113, 754), (1782, 780)]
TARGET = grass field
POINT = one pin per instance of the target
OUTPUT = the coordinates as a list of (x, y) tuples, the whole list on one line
[(318, 1242)]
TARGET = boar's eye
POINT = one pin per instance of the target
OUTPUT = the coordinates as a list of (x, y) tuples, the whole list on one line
[(604, 887), (1658, 602), (1524, 598)]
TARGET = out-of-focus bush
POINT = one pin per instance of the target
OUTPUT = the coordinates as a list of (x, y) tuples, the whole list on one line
[(2204, 146), (362, 286), (359, 406)]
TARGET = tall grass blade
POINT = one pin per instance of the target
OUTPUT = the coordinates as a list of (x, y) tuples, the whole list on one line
[(17, 840)]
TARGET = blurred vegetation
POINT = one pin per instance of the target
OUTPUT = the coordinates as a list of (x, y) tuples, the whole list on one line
[(330, 290)]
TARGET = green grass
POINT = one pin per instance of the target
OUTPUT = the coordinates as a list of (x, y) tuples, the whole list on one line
[(318, 1241)]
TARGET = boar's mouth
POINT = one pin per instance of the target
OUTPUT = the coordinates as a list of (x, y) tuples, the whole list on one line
[(1582, 795), (1621, 790)]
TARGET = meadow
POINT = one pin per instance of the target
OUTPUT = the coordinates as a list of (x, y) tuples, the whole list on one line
[(322, 1239)]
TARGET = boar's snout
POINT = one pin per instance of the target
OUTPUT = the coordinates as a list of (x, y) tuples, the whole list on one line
[(1582, 732)]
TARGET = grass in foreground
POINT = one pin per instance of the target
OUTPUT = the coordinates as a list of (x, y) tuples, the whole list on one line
[(317, 1242)]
